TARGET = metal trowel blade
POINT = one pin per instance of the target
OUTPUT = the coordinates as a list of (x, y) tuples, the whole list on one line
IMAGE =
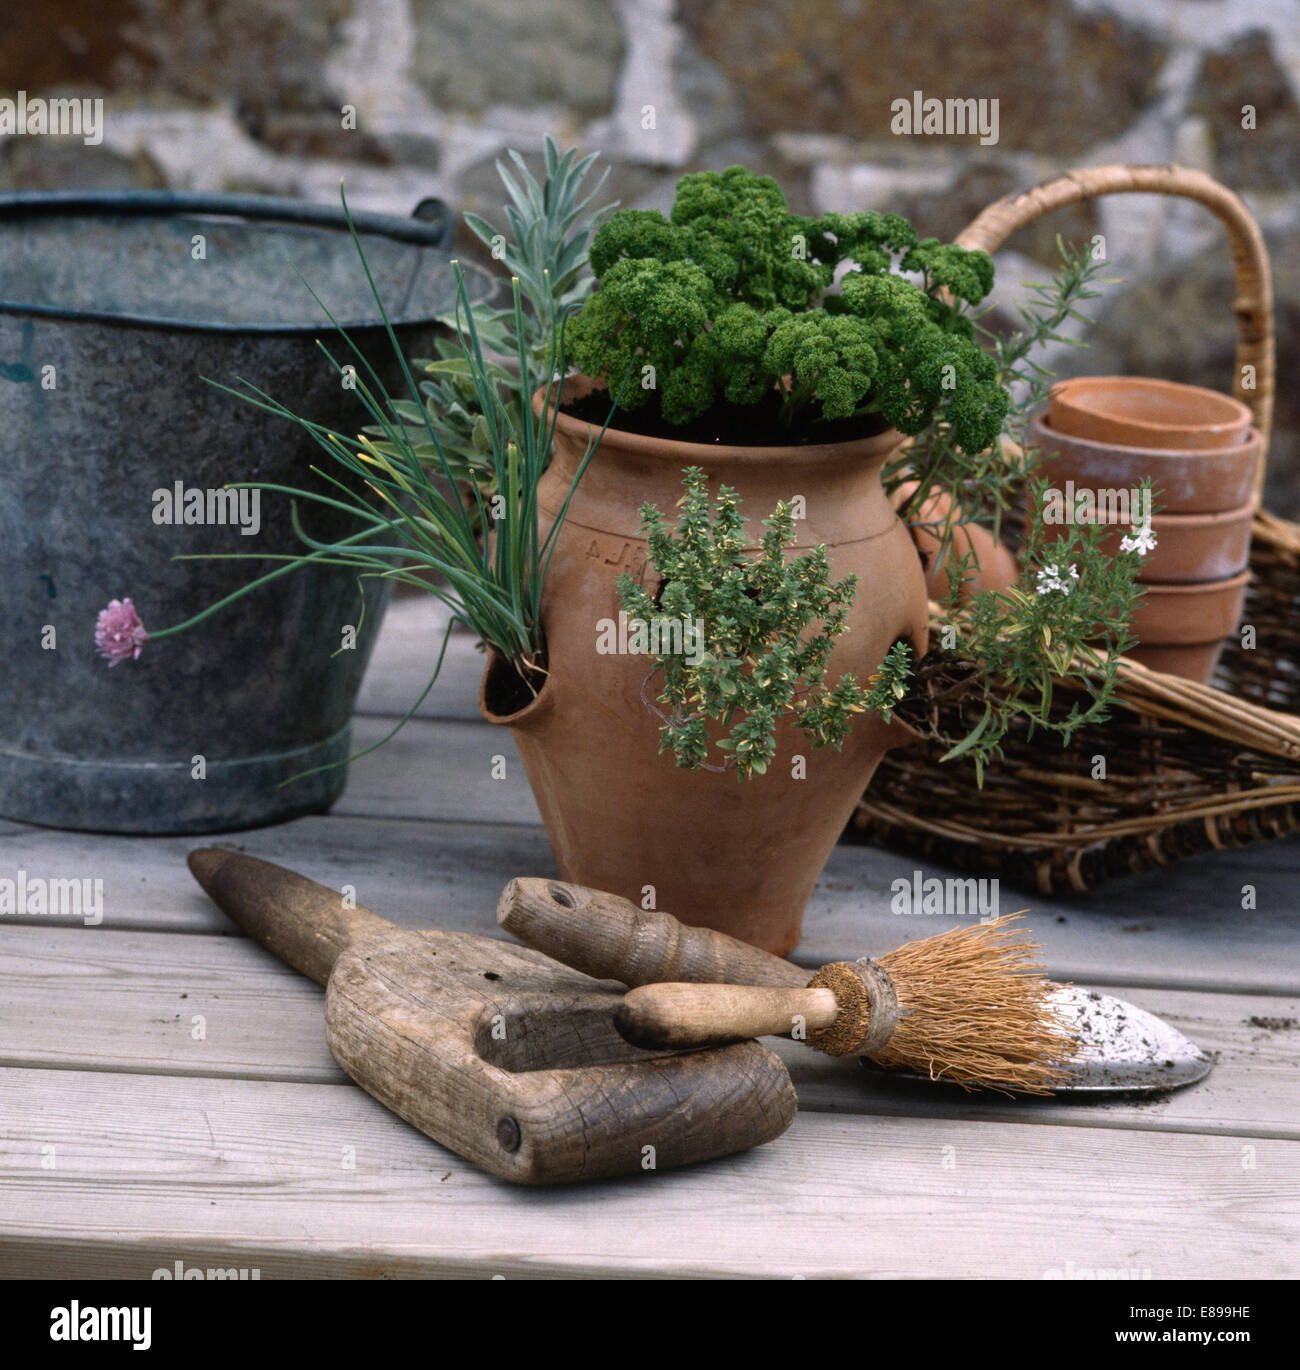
[(1122, 1049)]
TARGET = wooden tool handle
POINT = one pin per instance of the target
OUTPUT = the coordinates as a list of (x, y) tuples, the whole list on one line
[(609, 938), (680, 1016), (305, 924)]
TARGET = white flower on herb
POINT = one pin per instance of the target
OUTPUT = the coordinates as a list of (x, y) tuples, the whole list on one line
[(1052, 579), (1142, 541)]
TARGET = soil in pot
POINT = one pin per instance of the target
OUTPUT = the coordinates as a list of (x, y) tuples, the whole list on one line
[(506, 690), (730, 425)]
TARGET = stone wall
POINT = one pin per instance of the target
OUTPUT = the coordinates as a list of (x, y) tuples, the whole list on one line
[(249, 95)]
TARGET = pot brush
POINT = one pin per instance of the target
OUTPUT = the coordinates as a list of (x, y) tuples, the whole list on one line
[(969, 1006)]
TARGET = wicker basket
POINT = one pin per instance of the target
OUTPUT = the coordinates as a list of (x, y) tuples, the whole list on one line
[(1188, 767)]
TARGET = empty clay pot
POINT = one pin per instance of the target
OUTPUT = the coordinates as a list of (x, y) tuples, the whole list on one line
[(1133, 411), (1190, 548), (995, 566), (1181, 628), (1207, 482), (741, 857)]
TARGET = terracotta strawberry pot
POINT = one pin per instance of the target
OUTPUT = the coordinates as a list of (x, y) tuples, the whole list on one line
[(1133, 411), (742, 857), (1181, 628), (1206, 482), (1190, 548)]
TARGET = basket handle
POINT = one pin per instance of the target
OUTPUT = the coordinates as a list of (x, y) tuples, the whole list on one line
[(1253, 305)]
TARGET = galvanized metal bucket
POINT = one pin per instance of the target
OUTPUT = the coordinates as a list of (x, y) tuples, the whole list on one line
[(114, 308)]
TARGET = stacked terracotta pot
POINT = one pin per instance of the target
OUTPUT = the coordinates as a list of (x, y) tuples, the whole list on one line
[(1106, 434)]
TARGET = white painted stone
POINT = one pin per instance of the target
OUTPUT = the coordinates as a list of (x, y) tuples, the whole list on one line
[(371, 66), (651, 39), (848, 189)]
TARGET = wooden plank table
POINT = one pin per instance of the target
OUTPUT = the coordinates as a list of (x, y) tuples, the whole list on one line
[(166, 1093)]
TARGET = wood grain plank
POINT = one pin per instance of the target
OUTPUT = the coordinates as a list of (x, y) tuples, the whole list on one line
[(147, 1170), (176, 1004), (1182, 927), (1189, 933), (403, 660), (263, 1021), (419, 874), (437, 769)]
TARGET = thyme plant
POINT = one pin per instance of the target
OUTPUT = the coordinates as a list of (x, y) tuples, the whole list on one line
[(767, 627)]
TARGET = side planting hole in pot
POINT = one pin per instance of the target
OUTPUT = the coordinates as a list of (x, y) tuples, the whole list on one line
[(508, 689)]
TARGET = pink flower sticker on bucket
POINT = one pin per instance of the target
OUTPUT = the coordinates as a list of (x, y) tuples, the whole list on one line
[(119, 634)]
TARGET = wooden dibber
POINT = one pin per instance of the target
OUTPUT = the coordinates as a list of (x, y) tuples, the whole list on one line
[(496, 1051), (609, 937), (967, 1005)]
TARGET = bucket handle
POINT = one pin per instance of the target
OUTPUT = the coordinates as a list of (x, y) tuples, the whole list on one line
[(431, 225)]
